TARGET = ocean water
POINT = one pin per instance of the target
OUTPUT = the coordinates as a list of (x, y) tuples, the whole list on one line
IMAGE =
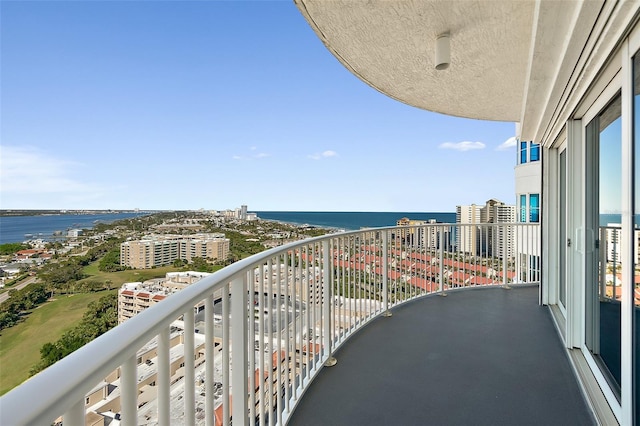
[(352, 220), (13, 229)]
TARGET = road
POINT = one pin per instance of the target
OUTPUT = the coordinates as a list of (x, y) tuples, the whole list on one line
[(23, 284)]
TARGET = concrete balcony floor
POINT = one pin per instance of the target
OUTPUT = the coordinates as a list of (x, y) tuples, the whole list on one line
[(485, 356)]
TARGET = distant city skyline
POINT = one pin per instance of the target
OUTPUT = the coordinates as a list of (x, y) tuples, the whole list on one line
[(189, 105)]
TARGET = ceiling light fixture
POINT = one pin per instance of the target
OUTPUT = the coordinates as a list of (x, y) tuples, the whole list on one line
[(443, 51)]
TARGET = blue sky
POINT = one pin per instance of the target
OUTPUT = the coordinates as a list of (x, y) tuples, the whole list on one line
[(188, 105)]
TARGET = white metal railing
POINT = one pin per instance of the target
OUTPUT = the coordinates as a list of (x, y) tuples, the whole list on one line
[(271, 322), (609, 267)]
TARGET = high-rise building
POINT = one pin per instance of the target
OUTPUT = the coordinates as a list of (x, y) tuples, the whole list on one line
[(476, 239), (412, 235), (243, 212), (467, 235), (501, 241)]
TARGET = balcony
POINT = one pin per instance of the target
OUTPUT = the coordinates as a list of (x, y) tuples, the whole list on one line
[(487, 352), (483, 356)]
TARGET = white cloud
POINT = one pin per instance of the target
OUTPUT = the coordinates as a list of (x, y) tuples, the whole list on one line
[(28, 170), (508, 144), (252, 154), (325, 154), (462, 146)]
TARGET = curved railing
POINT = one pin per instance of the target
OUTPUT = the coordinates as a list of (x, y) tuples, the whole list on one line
[(271, 322)]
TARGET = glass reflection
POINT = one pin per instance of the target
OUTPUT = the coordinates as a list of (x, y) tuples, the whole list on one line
[(604, 206), (635, 286)]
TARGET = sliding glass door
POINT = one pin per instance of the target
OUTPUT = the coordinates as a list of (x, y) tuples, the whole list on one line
[(603, 208)]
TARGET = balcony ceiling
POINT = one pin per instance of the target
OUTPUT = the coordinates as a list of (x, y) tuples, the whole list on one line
[(509, 59)]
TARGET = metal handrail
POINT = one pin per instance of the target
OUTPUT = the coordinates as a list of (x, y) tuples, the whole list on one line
[(62, 387)]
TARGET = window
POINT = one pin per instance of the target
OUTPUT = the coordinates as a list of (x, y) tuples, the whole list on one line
[(523, 152), (534, 154), (523, 208), (534, 208)]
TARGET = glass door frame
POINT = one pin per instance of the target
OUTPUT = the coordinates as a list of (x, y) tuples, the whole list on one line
[(551, 223), (586, 237), (563, 222), (629, 361)]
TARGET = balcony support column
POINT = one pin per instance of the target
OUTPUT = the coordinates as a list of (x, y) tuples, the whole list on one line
[(129, 389), (239, 356), (327, 286)]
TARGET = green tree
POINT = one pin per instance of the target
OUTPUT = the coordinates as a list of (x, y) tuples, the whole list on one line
[(11, 248), (111, 261), (100, 316)]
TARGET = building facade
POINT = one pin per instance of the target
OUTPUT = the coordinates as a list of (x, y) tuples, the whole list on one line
[(159, 250), (135, 297), (467, 237)]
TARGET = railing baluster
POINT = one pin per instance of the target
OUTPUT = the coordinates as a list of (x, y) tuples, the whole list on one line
[(310, 308), (304, 306), (163, 378), (210, 354), (226, 357), (441, 263), (278, 349), (287, 336), (327, 296), (385, 273), (261, 344), (251, 336), (239, 378), (189, 367), (75, 414), (129, 392), (294, 328), (272, 351)]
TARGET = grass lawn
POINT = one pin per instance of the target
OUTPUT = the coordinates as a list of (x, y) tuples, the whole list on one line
[(20, 345), (121, 277)]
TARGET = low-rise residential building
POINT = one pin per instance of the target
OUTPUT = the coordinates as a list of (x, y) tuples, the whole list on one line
[(135, 297)]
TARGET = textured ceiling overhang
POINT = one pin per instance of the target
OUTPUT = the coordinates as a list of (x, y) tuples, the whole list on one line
[(509, 59)]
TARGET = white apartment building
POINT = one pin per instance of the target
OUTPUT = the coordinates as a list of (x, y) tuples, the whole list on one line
[(204, 247), (148, 252), (467, 236), (502, 239), (159, 250), (135, 297), (476, 239)]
